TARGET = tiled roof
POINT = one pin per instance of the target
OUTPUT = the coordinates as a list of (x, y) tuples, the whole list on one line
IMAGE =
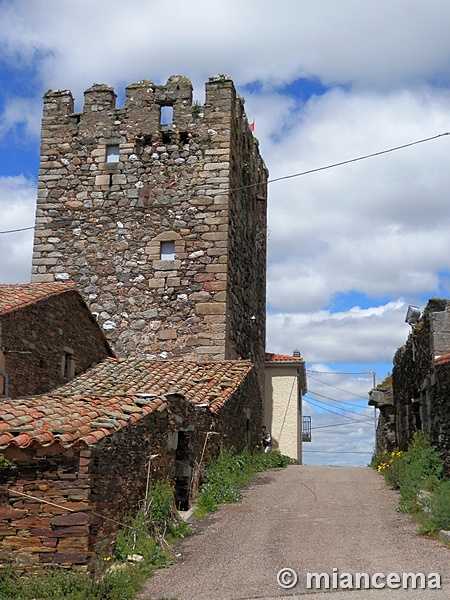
[(271, 357), (442, 360), (112, 395), (18, 295)]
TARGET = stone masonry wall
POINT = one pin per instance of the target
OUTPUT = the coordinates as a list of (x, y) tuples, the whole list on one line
[(37, 338), (420, 386), (104, 483), (102, 224), (70, 491), (35, 532), (246, 298), (381, 397), (439, 428), (119, 467)]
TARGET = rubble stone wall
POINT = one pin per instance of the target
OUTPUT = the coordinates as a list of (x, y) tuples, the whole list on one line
[(110, 221), (64, 506), (50, 523), (421, 384), (48, 343)]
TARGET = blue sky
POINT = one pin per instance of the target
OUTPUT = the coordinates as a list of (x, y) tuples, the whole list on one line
[(350, 247)]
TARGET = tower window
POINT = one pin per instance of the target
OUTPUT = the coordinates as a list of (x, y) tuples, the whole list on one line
[(166, 115), (168, 250), (112, 153)]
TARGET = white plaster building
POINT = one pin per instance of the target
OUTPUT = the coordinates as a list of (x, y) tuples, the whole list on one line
[(285, 385)]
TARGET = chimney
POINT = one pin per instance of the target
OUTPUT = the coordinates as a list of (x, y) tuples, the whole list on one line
[(296, 353)]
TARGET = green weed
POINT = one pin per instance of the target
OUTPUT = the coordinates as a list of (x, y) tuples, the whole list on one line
[(418, 476), (58, 584)]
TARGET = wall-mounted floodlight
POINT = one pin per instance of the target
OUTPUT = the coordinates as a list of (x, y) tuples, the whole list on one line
[(412, 315)]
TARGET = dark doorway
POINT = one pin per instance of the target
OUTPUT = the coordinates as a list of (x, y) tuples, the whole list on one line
[(183, 472)]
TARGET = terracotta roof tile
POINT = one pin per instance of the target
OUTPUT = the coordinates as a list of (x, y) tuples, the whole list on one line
[(272, 357), (15, 296), (112, 395), (442, 360)]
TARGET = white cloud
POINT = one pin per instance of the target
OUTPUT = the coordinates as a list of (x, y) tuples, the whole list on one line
[(374, 226), (377, 227), (356, 335), (350, 42), (17, 205), (21, 111)]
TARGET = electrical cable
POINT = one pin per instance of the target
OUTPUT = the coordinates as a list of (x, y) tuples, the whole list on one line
[(309, 171), (338, 424), (335, 400), (338, 388), (311, 401), (338, 401), (338, 408)]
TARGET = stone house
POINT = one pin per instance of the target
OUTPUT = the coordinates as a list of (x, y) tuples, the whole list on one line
[(47, 336), (421, 380), (285, 386), (81, 453), (157, 211)]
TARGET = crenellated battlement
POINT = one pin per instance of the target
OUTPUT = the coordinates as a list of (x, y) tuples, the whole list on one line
[(144, 104)]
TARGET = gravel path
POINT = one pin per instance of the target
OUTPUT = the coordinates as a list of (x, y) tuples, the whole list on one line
[(311, 519)]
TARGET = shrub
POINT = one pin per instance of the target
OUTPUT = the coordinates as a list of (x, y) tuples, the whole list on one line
[(418, 475)]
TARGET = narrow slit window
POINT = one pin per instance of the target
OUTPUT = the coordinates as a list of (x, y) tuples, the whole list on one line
[(166, 115), (112, 153), (68, 365), (168, 250)]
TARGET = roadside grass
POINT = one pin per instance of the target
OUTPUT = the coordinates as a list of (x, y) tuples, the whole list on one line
[(418, 475), (150, 535), (59, 584)]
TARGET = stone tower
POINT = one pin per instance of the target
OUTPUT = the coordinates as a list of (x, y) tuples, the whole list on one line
[(158, 212)]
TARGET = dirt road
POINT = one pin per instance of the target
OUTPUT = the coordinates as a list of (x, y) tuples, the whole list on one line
[(331, 520)]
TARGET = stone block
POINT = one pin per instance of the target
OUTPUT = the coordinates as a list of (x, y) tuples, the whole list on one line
[(211, 308), (102, 180), (42, 278), (166, 265), (215, 236), (217, 318), (217, 268), (70, 520), (215, 286), (73, 543), (156, 283), (167, 334), (215, 166)]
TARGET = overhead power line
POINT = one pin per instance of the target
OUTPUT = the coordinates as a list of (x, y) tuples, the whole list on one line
[(16, 230), (308, 172), (352, 160), (337, 407), (338, 372), (313, 402), (338, 388), (338, 424)]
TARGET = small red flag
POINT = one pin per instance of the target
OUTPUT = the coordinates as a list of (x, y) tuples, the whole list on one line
[(252, 125)]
